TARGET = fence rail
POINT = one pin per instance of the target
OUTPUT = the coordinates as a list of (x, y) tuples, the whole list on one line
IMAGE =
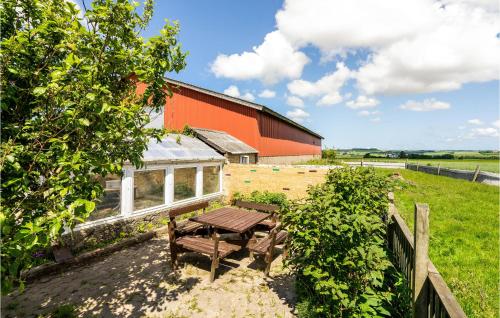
[(470, 175), (434, 299)]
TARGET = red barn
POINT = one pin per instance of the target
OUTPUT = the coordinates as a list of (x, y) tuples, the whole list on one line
[(277, 138)]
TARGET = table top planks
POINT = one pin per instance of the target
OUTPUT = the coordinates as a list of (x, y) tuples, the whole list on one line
[(231, 219)]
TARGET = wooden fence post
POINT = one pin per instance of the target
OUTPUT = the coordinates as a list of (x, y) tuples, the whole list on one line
[(421, 260), (439, 168), (361, 162), (390, 213), (417, 165), (406, 163), (476, 173)]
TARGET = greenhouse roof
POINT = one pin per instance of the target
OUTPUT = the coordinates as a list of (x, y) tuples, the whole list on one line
[(223, 141), (176, 147)]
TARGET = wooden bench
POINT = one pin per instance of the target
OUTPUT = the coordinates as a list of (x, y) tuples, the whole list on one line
[(181, 240), (187, 227), (272, 209), (266, 245)]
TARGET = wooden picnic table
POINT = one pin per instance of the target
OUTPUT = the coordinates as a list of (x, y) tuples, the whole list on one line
[(232, 219)]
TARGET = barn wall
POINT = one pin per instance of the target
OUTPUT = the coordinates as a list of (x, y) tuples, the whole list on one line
[(272, 137), (188, 107)]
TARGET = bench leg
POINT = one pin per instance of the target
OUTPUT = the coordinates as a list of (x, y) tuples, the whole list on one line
[(173, 256), (215, 264), (252, 241), (285, 251), (268, 259)]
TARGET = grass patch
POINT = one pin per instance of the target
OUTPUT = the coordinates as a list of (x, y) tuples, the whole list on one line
[(488, 165), (464, 234)]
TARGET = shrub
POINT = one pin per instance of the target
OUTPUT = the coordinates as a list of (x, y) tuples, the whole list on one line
[(266, 197), (337, 246), (329, 154)]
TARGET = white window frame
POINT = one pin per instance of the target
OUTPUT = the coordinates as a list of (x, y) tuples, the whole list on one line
[(127, 191), (244, 158)]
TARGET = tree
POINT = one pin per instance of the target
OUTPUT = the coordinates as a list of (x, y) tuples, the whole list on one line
[(329, 154), (71, 112)]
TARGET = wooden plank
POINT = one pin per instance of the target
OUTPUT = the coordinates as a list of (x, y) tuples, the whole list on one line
[(448, 301), (187, 209), (256, 206), (476, 173), (421, 260), (206, 246), (404, 228), (231, 219), (262, 245)]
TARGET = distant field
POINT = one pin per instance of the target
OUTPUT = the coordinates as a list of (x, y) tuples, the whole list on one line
[(464, 235), (489, 165), (349, 154)]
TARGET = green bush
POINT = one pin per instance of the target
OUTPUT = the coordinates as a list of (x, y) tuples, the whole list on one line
[(266, 197), (337, 247), (329, 154)]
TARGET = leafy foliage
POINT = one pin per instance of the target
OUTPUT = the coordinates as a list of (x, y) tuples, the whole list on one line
[(264, 197), (337, 246), (329, 154), (71, 111)]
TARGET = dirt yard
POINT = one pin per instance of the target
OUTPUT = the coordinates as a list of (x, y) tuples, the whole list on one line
[(293, 181), (139, 282)]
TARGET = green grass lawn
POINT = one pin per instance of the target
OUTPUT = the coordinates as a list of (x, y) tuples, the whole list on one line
[(489, 165), (464, 235)]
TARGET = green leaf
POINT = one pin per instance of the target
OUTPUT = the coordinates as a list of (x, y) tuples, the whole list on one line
[(39, 91), (84, 121)]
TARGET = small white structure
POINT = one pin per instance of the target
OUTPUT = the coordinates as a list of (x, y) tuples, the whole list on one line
[(179, 170)]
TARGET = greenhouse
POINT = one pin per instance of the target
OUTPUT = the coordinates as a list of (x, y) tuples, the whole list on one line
[(178, 170)]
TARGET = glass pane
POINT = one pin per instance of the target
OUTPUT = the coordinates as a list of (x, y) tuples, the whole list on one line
[(210, 179), (109, 203), (184, 183), (148, 189)]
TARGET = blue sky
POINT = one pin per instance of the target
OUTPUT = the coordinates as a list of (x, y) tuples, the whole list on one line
[(451, 102)]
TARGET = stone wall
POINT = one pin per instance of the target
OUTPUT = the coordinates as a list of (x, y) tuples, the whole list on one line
[(287, 160), (252, 157), (100, 234)]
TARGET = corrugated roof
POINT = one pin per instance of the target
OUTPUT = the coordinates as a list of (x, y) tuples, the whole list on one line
[(189, 149), (243, 102), (223, 142)]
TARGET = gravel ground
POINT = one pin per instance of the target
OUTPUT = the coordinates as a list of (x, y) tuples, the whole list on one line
[(138, 282)]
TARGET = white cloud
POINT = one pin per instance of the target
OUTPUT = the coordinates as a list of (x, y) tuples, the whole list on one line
[(413, 46), (365, 113), (484, 132), (248, 96), (496, 123), (362, 102), (295, 101), (426, 105), (267, 93), (275, 59), (297, 115), (475, 121), (375, 120), (337, 25), (234, 91), (461, 47), (328, 87)]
